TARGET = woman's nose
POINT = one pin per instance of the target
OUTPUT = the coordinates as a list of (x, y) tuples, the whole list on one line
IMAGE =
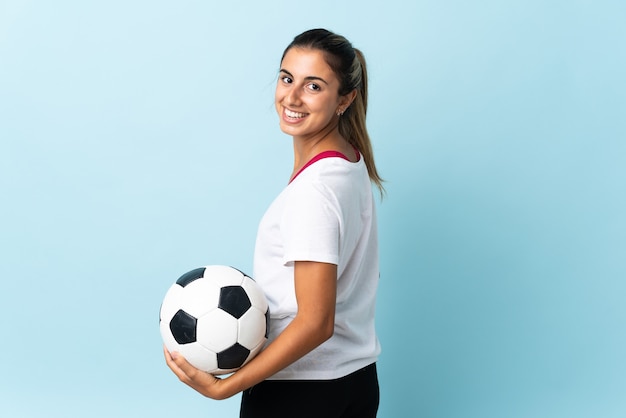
[(293, 96)]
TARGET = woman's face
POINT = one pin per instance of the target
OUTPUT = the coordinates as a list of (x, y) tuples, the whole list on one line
[(307, 98)]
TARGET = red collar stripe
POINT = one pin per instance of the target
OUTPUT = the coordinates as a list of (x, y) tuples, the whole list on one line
[(321, 156)]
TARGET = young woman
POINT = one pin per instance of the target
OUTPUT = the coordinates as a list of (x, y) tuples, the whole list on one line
[(316, 254)]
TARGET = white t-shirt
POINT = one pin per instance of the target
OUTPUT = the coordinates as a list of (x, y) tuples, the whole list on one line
[(326, 214)]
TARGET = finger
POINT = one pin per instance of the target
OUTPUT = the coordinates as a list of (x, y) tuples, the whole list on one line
[(166, 353), (170, 360), (186, 368)]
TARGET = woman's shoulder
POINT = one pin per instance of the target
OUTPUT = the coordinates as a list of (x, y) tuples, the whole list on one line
[(331, 179)]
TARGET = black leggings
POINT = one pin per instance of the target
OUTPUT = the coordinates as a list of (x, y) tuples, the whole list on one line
[(355, 395)]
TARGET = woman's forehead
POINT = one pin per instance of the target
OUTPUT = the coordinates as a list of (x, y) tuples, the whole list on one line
[(306, 62)]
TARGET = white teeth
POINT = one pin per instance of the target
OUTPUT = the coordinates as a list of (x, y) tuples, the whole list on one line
[(294, 114)]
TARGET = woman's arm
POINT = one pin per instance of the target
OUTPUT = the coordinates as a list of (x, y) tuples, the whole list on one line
[(316, 290)]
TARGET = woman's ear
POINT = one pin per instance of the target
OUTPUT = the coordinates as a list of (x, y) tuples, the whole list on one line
[(346, 100)]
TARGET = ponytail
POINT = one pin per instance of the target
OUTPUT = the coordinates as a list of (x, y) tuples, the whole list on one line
[(352, 124)]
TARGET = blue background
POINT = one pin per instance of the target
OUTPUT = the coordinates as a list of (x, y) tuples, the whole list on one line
[(139, 140)]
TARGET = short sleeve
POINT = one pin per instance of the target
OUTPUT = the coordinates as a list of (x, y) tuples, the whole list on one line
[(310, 225)]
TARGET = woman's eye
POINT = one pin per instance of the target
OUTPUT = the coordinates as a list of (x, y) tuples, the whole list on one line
[(313, 86), (286, 79)]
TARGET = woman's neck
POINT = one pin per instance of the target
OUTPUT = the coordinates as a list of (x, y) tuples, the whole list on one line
[(305, 149)]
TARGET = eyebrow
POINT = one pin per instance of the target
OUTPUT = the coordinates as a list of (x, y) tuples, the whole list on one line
[(309, 78)]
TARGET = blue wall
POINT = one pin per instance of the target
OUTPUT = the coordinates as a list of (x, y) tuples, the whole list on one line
[(138, 140)]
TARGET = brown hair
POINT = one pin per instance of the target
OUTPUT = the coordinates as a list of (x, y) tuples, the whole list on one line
[(348, 63)]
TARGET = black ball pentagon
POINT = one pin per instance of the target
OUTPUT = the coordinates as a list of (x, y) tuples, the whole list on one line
[(233, 357), (183, 327), (190, 276), (234, 300)]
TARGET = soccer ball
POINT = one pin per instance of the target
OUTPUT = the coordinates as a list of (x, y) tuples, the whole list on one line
[(216, 317)]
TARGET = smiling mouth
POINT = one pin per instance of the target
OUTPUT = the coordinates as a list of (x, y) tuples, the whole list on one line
[(294, 115)]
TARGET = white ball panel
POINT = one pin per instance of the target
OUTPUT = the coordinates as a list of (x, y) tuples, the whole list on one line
[(200, 297), (217, 330), (171, 303), (255, 293), (199, 356), (219, 372), (166, 334), (252, 328), (223, 275)]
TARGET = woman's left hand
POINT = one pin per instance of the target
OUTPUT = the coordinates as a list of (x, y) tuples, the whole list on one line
[(204, 383)]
